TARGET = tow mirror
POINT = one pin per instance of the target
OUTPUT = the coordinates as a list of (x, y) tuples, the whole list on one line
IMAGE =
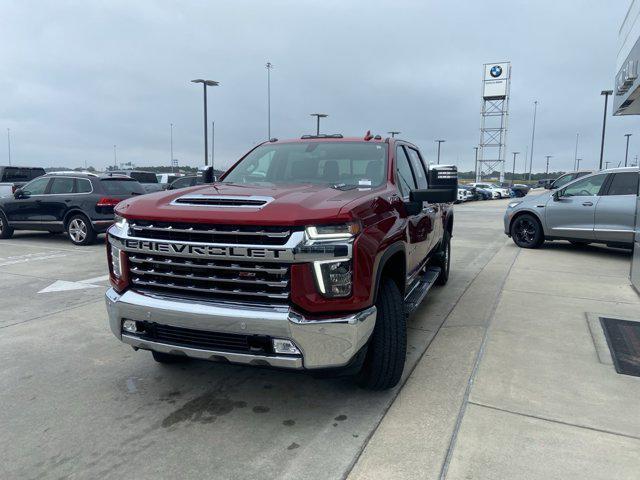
[(435, 195)]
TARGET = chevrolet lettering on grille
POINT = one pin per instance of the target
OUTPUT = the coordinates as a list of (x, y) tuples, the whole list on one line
[(152, 246)]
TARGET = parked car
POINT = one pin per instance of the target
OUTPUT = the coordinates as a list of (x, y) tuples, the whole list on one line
[(544, 183), (147, 179), (80, 204), (463, 195), (520, 190), (562, 180), (12, 178), (184, 182), (496, 190), (165, 179), (260, 270), (596, 208)]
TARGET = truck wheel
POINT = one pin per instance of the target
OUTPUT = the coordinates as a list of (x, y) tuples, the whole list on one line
[(387, 349), (527, 232), (5, 230), (162, 357), (444, 260), (80, 230)]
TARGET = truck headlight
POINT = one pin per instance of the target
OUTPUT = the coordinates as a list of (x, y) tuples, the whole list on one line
[(334, 277), (120, 222), (333, 232)]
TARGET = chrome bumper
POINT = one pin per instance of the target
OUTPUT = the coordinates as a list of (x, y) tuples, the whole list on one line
[(324, 343)]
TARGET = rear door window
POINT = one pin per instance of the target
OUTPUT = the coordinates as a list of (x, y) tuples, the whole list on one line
[(122, 187), (62, 185), (83, 185), (624, 183)]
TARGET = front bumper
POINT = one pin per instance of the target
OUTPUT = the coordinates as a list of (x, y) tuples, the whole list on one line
[(323, 342)]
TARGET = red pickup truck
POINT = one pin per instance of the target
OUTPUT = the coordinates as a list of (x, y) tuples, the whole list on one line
[(307, 254)]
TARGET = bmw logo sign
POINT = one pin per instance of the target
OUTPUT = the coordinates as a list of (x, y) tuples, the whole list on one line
[(496, 71)]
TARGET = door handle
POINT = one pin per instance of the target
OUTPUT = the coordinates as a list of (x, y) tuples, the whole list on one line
[(68, 200), (587, 204), (38, 201)]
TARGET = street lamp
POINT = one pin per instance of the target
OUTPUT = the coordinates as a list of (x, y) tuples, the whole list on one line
[(205, 84), (476, 168), (115, 158), (513, 173), (626, 153), (318, 117), (606, 94), (578, 160), (548, 157), (393, 133), (269, 66), (533, 135), (9, 144), (575, 156), (171, 146), (606, 165), (439, 142)]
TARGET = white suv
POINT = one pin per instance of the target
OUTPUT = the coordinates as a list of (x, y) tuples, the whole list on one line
[(496, 190)]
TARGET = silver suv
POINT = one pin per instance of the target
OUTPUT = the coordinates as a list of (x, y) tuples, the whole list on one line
[(597, 208)]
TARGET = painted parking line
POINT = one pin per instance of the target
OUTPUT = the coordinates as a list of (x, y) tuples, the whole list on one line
[(28, 257), (65, 286)]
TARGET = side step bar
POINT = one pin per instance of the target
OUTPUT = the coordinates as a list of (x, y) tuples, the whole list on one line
[(420, 289)]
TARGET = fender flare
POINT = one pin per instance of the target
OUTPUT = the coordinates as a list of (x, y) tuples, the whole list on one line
[(391, 250)]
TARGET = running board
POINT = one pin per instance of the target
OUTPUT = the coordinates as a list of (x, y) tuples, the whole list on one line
[(421, 288)]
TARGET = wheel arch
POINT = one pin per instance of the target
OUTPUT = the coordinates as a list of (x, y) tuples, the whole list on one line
[(392, 263), (70, 213), (525, 212)]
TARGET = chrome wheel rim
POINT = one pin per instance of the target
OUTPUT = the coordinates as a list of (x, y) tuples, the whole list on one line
[(77, 230)]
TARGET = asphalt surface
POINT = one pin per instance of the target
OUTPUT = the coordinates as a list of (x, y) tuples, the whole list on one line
[(78, 403)]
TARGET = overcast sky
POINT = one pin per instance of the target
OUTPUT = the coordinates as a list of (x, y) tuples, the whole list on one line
[(79, 77)]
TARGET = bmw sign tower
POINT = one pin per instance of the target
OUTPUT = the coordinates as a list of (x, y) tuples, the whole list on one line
[(494, 115)]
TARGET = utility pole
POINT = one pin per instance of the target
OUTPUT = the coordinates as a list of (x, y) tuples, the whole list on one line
[(318, 117), (575, 156), (476, 168), (548, 157), (171, 142), (9, 144), (268, 66), (578, 160), (205, 84), (513, 173), (393, 133), (439, 142), (606, 94), (606, 165), (213, 139), (533, 134), (115, 158), (626, 153)]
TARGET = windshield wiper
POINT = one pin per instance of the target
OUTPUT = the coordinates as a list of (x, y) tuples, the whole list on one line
[(344, 186)]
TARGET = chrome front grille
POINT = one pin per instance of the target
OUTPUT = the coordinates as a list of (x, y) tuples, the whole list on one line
[(210, 279), (204, 233)]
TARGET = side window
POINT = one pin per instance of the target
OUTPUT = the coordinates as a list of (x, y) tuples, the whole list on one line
[(83, 185), (406, 182), (586, 187), (62, 185), (36, 187), (418, 168), (624, 183)]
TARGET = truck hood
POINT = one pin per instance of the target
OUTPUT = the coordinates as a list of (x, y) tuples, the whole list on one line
[(298, 204)]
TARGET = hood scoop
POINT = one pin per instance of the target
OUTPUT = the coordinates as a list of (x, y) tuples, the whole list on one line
[(232, 201)]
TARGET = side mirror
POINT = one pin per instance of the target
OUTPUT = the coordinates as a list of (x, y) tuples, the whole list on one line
[(557, 195), (19, 193), (435, 195), (547, 186)]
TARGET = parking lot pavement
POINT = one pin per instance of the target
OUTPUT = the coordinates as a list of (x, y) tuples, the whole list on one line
[(76, 402), (518, 382)]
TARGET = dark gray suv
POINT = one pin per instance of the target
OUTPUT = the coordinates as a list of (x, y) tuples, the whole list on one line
[(80, 204)]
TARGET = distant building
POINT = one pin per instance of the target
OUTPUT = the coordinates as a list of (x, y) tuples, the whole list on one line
[(626, 92)]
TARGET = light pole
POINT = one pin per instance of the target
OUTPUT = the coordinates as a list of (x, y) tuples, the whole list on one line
[(548, 157), (115, 158), (626, 153), (439, 142), (268, 66), (9, 144), (476, 164), (318, 117), (513, 173), (171, 143), (606, 94), (578, 160), (533, 135), (205, 84), (575, 156), (393, 133), (606, 165), (213, 139)]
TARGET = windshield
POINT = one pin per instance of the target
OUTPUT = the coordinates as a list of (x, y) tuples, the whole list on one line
[(360, 164), (121, 186), (144, 177)]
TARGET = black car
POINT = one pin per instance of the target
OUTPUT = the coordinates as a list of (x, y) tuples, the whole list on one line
[(148, 180), (80, 204)]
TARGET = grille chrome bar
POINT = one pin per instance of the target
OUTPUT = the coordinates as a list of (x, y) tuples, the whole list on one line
[(237, 292), (209, 265), (191, 276)]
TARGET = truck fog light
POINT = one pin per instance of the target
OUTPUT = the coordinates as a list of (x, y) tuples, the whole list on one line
[(287, 347), (334, 278), (130, 326)]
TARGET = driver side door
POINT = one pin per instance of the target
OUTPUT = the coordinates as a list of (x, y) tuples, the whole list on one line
[(570, 213), (28, 208)]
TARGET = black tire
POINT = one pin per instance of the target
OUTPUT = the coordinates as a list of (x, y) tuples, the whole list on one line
[(5, 230), (444, 260), (162, 357), (526, 231), (80, 230), (387, 349)]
